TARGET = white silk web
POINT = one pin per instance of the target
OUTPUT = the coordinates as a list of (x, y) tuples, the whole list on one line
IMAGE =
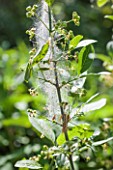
[(42, 36)]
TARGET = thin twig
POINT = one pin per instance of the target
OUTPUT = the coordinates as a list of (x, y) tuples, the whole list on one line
[(47, 81), (81, 76)]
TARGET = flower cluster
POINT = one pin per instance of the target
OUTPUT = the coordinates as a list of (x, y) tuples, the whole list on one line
[(31, 11), (32, 113)]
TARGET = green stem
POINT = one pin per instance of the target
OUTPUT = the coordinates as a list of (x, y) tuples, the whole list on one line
[(69, 21), (50, 20)]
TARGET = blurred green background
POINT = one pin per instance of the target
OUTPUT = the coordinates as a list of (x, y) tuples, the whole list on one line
[(17, 138)]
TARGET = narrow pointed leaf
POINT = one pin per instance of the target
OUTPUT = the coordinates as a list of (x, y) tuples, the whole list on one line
[(85, 43), (44, 127), (109, 17), (28, 72), (92, 97), (101, 3), (41, 54), (95, 74), (89, 107), (102, 141), (84, 61), (94, 105), (80, 57), (74, 42), (31, 164)]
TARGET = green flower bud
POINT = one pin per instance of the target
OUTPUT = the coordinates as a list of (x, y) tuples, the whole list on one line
[(76, 18), (33, 51), (35, 6), (29, 14), (28, 8), (27, 32)]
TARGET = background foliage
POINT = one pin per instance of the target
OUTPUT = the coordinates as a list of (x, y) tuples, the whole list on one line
[(17, 138)]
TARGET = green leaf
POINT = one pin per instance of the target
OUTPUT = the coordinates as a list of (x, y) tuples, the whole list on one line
[(101, 3), (44, 127), (102, 142), (80, 56), (49, 2), (81, 131), (84, 61), (109, 17), (74, 42), (92, 97), (85, 43), (96, 74), (28, 72), (61, 139), (41, 54), (94, 105), (89, 107), (31, 164), (36, 59)]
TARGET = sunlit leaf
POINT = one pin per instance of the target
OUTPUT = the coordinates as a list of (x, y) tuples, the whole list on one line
[(109, 17), (102, 141), (28, 164), (44, 127), (101, 3), (96, 74), (89, 107), (81, 131), (61, 139), (74, 42), (28, 72), (94, 105), (85, 43), (92, 97), (36, 59), (49, 2), (41, 54)]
